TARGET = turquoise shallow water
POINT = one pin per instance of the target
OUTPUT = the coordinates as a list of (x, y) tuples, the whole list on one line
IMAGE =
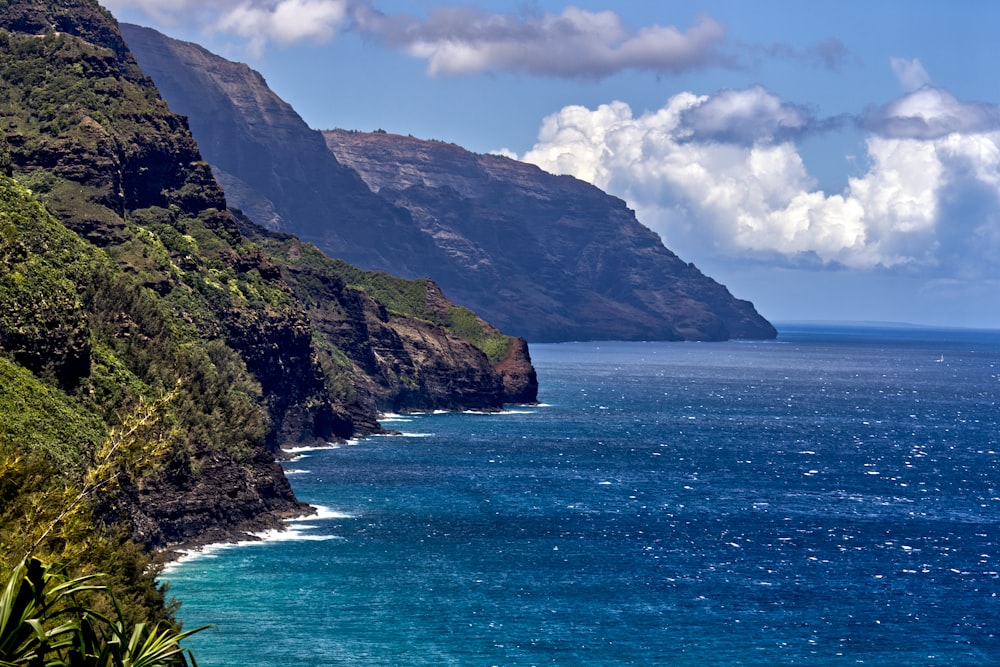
[(829, 498)]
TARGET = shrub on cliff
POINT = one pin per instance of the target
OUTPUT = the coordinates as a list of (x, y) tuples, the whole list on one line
[(59, 471)]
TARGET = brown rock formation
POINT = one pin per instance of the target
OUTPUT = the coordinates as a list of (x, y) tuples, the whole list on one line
[(548, 256)]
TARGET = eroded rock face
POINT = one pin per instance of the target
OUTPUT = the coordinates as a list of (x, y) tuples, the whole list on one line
[(398, 362), (549, 257), (226, 499), (271, 165), (543, 257), (520, 381)]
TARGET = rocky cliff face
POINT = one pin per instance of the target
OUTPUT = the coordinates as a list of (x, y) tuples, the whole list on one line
[(548, 255), (125, 279), (406, 355), (545, 257), (271, 165)]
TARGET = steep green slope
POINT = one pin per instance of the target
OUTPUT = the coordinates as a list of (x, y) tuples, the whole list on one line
[(148, 341), (62, 392)]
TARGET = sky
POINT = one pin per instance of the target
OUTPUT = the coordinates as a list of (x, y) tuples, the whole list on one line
[(827, 161)]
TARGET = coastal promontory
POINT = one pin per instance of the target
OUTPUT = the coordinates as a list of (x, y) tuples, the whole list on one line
[(158, 350)]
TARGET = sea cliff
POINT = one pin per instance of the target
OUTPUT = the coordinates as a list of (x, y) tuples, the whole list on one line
[(128, 283), (549, 258)]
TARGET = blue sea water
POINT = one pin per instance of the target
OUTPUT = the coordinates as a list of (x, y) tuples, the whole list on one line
[(829, 498)]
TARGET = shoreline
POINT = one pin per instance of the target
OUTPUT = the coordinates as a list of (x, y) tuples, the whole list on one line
[(247, 532), (275, 525), (284, 531), (262, 528)]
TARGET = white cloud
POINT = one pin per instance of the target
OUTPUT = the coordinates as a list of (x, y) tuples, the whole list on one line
[(457, 40), (910, 73), (931, 113), (284, 21), (505, 152), (462, 40), (924, 202), (573, 43), (170, 12), (259, 22)]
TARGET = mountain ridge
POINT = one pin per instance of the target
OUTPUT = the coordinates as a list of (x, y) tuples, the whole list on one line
[(623, 282), (539, 281)]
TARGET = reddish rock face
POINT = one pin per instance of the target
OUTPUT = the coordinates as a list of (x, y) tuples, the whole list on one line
[(520, 382)]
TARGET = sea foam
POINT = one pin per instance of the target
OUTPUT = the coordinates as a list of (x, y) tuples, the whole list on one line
[(295, 530)]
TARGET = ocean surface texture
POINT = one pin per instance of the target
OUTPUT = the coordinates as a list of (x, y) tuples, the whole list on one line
[(829, 498)]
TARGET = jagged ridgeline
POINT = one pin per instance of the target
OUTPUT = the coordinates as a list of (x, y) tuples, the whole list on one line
[(548, 257), (136, 310)]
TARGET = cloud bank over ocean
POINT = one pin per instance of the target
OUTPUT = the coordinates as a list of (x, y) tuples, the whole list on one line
[(724, 171)]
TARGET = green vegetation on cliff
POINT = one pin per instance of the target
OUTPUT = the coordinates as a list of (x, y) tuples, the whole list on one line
[(153, 355), (415, 298), (62, 395), (123, 279), (419, 298)]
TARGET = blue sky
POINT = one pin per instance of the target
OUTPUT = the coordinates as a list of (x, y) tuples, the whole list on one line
[(828, 161)]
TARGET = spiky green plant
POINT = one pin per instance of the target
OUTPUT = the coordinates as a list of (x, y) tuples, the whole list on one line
[(46, 622)]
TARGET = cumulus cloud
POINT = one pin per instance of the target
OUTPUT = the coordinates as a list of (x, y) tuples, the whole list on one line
[(923, 202)]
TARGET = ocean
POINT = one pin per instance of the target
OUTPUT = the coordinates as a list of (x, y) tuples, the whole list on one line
[(829, 498)]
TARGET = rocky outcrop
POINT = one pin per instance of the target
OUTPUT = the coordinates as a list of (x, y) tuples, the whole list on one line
[(544, 257), (226, 500), (82, 18), (520, 381), (400, 361)]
